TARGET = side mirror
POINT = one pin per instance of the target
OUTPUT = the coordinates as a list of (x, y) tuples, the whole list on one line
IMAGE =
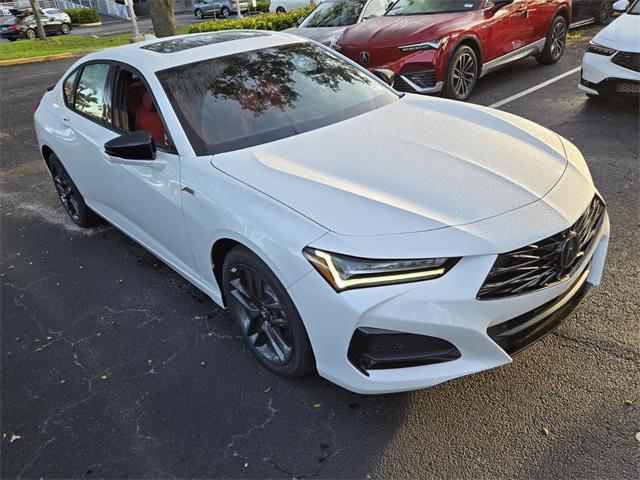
[(387, 76), (132, 146), (621, 6)]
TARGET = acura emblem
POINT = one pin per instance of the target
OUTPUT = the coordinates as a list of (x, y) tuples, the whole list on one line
[(365, 58), (568, 251)]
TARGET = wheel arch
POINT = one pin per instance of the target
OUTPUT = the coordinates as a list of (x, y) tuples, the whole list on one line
[(46, 154), (219, 251), (565, 13), (473, 42)]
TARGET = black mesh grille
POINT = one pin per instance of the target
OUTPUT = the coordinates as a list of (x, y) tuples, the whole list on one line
[(424, 79), (546, 262), (627, 60)]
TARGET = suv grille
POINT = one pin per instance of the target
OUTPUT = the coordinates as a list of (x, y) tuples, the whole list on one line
[(546, 262), (627, 60)]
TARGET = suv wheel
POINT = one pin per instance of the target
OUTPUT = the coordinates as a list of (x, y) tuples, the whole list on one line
[(462, 74), (225, 12), (556, 42), (198, 14)]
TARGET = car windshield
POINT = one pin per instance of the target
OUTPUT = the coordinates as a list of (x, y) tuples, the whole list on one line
[(333, 14), (635, 9), (423, 7), (251, 98)]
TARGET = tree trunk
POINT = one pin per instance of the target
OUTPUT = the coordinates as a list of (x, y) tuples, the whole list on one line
[(36, 14), (162, 17)]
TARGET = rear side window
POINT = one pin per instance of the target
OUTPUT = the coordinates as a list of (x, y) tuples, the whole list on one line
[(69, 84), (91, 98)]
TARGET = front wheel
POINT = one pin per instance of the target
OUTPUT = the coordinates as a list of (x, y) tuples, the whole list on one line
[(555, 44), (266, 315), (462, 74), (65, 29), (198, 14), (225, 12), (31, 34), (280, 10)]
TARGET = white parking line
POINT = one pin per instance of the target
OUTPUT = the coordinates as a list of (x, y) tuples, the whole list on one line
[(533, 89)]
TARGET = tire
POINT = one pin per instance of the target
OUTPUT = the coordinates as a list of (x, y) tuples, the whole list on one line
[(198, 14), (264, 312), (65, 29), (280, 10), (30, 34), (605, 13), (462, 74), (71, 198), (556, 42), (224, 12), (12, 39)]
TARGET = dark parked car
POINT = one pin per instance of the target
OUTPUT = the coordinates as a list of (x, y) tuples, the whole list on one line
[(584, 12), (24, 26)]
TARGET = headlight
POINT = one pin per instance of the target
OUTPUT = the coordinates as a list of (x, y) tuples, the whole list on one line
[(600, 50), (335, 43), (344, 272), (431, 45)]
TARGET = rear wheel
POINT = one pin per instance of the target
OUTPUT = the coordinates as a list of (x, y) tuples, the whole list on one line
[(31, 34), (462, 74), (224, 12), (65, 29), (555, 44), (266, 315), (71, 199), (605, 13), (280, 10), (198, 14)]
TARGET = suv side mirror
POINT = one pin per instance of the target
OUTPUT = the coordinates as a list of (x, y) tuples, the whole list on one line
[(132, 146), (387, 76), (621, 6)]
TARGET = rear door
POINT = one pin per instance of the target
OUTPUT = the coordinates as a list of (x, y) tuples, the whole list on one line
[(541, 13)]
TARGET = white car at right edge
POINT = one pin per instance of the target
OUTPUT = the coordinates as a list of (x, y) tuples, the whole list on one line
[(611, 65)]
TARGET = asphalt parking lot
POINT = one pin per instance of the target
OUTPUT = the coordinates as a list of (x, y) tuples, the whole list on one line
[(114, 366)]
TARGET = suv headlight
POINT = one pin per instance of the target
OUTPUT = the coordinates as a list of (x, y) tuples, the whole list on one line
[(431, 45), (600, 50), (344, 272)]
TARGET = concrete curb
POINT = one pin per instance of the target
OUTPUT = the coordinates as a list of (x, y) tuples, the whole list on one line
[(43, 58), (83, 25)]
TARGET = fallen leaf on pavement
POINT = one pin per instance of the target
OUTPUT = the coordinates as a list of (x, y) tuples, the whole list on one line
[(316, 405), (267, 390), (104, 377), (545, 430), (14, 437)]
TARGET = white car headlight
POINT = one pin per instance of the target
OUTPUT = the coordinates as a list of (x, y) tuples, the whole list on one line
[(344, 272), (431, 45), (600, 49)]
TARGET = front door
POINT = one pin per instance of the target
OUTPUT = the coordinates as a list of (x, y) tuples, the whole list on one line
[(509, 30)]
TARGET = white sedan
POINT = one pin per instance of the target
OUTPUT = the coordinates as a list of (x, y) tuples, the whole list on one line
[(390, 241), (611, 65), (57, 14)]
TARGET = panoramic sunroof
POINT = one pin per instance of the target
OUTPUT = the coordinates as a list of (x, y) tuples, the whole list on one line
[(185, 43)]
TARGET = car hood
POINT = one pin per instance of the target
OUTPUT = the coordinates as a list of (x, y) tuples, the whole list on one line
[(622, 34), (320, 34), (391, 31), (414, 165)]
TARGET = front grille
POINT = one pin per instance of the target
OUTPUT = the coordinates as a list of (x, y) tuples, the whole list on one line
[(630, 88), (546, 262), (423, 79), (627, 60)]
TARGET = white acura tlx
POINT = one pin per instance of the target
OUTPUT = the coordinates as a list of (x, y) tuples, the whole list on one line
[(390, 241)]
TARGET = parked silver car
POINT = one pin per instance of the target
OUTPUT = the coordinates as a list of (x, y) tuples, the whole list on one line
[(219, 8), (331, 17)]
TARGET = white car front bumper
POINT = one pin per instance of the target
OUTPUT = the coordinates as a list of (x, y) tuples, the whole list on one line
[(600, 75), (445, 308)]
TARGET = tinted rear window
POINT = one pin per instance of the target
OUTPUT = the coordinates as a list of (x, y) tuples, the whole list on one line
[(247, 99)]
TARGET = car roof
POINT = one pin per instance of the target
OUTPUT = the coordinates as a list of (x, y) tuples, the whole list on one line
[(161, 53)]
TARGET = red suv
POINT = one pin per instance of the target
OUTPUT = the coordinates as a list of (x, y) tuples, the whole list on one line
[(446, 45)]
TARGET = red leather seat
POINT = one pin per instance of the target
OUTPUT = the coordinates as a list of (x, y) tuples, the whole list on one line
[(147, 118)]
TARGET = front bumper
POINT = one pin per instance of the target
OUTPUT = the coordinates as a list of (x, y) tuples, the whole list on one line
[(600, 76), (445, 308)]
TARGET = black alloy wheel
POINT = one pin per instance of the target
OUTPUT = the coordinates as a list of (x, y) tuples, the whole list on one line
[(605, 13), (556, 42), (462, 74), (198, 14), (280, 10), (225, 12), (71, 199), (268, 320)]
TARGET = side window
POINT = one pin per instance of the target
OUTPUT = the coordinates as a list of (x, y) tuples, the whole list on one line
[(69, 83), (376, 8), (90, 97), (135, 108)]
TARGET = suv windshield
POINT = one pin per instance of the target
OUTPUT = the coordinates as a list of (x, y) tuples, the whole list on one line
[(251, 98), (333, 14), (635, 9), (422, 7)]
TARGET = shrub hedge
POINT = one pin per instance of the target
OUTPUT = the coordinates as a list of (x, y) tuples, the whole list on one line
[(267, 21), (83, 15), (261, 6)]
